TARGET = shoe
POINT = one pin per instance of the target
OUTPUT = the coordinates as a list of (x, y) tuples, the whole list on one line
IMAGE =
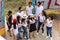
[(46, 37), (51, 38), (43, 34), (37, 33), (25, 37)]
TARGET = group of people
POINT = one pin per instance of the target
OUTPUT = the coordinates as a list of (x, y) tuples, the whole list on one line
[(28, 20)]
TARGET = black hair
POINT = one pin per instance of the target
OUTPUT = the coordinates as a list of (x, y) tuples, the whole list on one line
[(9, 12), (18, 18), (51, 17), (23, 20), (39, 3), (19, 8), (44, 12)]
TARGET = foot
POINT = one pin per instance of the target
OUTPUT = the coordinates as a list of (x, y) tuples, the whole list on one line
[(43, 34), (46, 37), (37, 33), (20, 37), (25, 37), (51, 38), (10, 35)]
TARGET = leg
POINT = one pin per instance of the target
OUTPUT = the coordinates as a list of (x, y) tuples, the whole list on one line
[(9, 30), (51, 32), (34, 33), (42, 28), (18, 36), (39, 24), (25, 32), (47, 29)]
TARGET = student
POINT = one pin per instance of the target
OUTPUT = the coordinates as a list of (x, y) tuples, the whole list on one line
[(41, 23), (20, 12), (9, 21), (24, 26), (29, 9), (49, 25), (19, 25), (39, 9), (32, 26), (15, 29)]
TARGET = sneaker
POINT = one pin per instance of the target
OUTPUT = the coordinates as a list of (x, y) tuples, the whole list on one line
[(51, 38), (43, 34), (46, 37), (25, 37), (37, 33)]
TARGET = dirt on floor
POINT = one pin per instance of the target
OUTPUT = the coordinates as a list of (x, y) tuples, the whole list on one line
[(56, 25)]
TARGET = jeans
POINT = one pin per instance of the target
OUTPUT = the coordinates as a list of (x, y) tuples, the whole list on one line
[(25, 33), (39, 25), (49, 31), (37, 22), (19, 30)]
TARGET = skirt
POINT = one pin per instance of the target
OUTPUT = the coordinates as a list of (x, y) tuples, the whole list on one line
[(32, 27)]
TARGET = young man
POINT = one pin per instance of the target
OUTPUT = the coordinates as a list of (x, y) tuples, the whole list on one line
[(9, 21), (29, 9), (20, 12)]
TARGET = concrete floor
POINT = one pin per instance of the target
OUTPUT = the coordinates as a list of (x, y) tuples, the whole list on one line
[(38, 37)]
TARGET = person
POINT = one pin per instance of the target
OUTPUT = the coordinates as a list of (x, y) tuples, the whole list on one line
[(32, 29), (41, 22), (20, 12), (24, 26), (29, 9), (49, 24), (19, 25), (9, 21), (39, 9), (15, 28)]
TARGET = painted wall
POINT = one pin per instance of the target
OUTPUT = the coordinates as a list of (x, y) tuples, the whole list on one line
[(2, 17), (51, 4)]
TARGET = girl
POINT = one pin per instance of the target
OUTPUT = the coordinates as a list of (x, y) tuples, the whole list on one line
[(19, 24), (9, 21), (15, 29), (41, 21), (24, 26), (32, 26), (49, 25)]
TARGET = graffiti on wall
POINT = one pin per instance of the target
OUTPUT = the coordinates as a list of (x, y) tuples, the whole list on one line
[(51, 4)]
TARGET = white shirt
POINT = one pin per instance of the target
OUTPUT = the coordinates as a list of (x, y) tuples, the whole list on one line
[(49, 23), (42, 18), (20, 14), (39, 10), (29, 10), (25, 24), (31, 22), (19, 24)]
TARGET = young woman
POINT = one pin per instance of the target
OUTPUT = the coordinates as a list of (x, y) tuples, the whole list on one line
[(24, 26), (49, 25), (15, 28), (41, 21), (9, 21), (39, 9), (32, 26), (19, 25)]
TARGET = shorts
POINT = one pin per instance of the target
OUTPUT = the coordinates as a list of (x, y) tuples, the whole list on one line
[(15, 31)]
